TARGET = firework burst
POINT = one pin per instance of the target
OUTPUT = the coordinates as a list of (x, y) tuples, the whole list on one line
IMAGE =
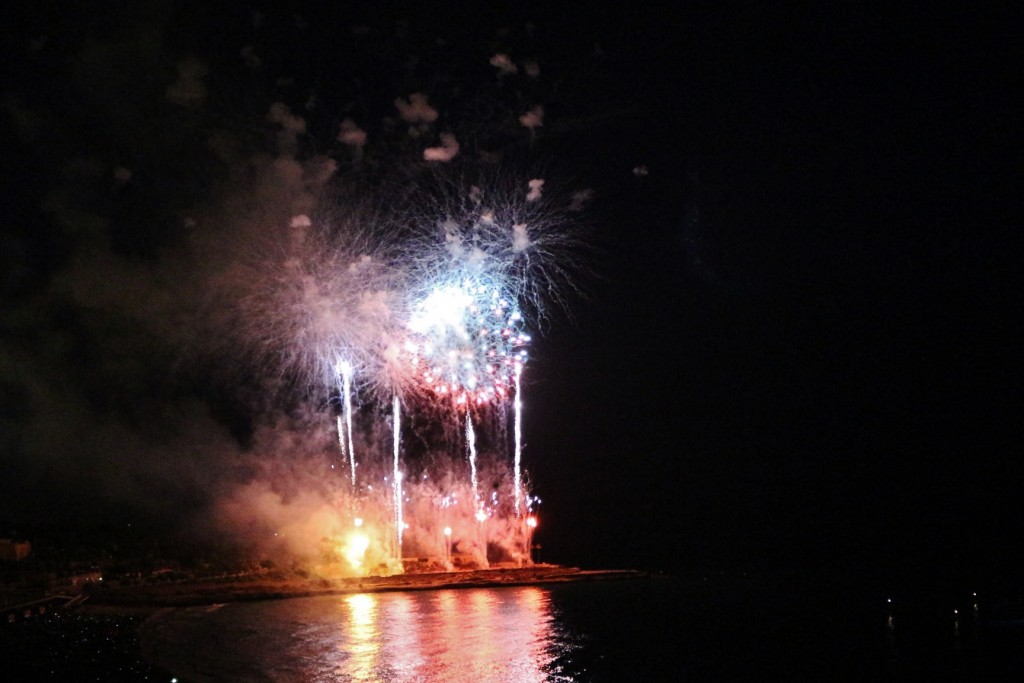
[(401, 281)]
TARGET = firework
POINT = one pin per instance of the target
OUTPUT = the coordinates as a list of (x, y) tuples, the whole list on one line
[(396, 473), (345, 425), (397, 274), (519, 441)]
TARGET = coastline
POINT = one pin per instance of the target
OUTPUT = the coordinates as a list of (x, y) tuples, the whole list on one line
[(100, 638), (145, 598)]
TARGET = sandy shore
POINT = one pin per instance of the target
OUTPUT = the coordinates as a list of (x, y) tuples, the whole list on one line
[(141, 598)]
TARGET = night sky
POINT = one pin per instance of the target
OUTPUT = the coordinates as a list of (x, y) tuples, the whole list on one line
[(798, 336)]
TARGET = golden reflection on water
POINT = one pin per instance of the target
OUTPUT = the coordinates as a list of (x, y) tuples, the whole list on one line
[(363, 643), (449, 636)]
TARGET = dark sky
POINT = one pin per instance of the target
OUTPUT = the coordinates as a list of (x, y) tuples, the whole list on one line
[(810, 350), (800, 339)]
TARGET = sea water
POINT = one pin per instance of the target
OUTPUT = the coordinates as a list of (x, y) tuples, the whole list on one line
[(629, 630)]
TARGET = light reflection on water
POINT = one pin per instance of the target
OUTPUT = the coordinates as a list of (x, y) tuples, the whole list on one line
[(363, 635), (590, 632), (450, 636)]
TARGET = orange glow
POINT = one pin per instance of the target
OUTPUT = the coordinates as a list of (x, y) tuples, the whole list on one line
[(364, 631), (531, 522), (354, 549), (363, 606)]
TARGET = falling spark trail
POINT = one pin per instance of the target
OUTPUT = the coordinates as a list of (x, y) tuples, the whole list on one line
[(398, 475), (341, 439), (519, 439), (346, 375), (471, 445)]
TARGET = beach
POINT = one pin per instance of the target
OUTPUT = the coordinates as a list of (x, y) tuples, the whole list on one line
[(148, 596)]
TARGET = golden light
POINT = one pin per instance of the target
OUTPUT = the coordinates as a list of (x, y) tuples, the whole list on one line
[(447, 531), (363, 606), (355, 547), (364, 631), (358, 521), (531, 522)]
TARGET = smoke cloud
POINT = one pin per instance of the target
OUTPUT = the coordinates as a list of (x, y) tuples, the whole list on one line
[(194, 261)]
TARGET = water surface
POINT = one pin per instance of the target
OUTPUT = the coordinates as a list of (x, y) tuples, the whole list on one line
[(634, 630)]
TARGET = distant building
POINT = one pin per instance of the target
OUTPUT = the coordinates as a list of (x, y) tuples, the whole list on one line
[(12, 550)]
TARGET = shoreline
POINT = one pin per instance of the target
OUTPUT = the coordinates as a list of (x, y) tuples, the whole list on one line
[(140, 599), (103, 636)]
